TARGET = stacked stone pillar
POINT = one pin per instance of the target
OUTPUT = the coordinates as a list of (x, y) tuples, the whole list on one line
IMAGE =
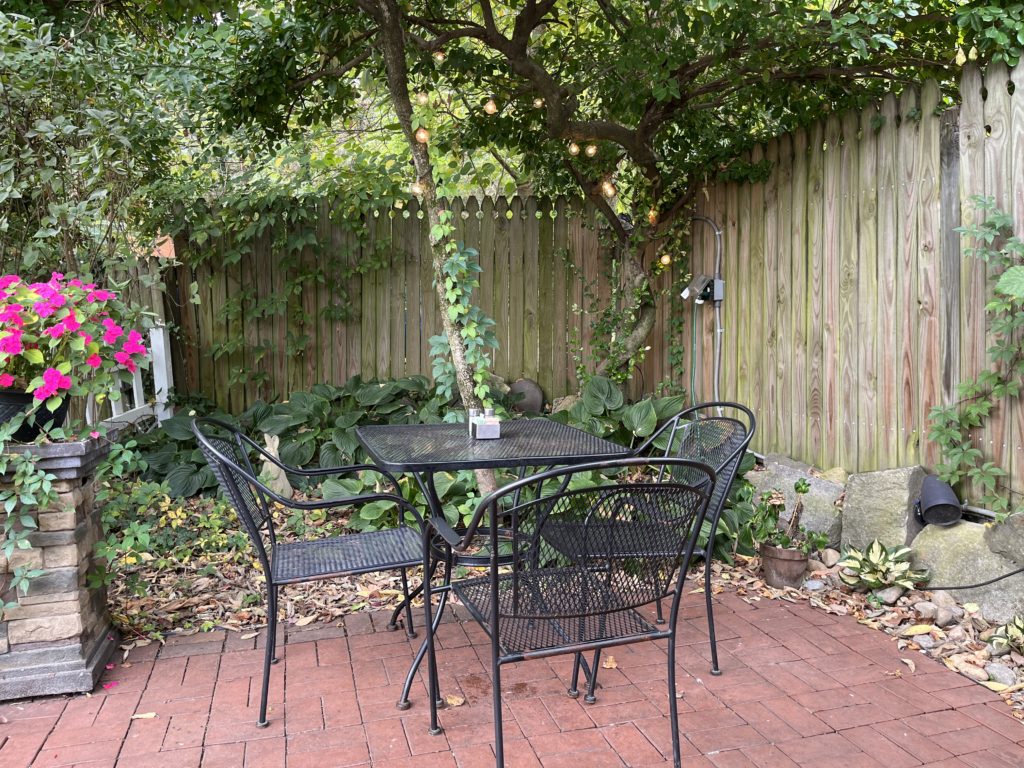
[(59, 637)]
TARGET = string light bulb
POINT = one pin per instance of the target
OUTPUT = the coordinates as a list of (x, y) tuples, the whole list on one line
[(591, 150), (422, 98), (665, 259), (652, 216), (608, 189), (422, 135), (490, 107), (416, 188), (574, 148), (538, 103), (439, 56)]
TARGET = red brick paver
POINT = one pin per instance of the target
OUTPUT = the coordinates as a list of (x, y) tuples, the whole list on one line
[(800, 689)]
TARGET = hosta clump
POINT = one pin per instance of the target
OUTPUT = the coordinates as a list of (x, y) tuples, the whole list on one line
[(879, 567), (1009, 636)]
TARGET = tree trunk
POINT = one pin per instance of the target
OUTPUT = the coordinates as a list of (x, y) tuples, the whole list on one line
[(635, 283), (392, 37)]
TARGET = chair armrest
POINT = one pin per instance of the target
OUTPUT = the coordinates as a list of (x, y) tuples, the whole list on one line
[(449, 534)]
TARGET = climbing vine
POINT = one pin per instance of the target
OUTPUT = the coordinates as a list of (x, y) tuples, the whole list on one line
[(952, 425)]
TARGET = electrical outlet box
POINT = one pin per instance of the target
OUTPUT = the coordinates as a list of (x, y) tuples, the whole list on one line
[(719, 290)]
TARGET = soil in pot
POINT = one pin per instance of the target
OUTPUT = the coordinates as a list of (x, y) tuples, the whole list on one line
[(783, 567)]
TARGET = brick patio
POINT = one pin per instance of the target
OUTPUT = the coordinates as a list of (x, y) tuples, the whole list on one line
[(800, 688)]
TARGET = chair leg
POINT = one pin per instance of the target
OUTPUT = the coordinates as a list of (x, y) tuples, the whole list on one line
[(410, 629), (673, 703), (403, 701), (432, 686), (268, 658), (592, 684), (499, 736), (715, 669), (574, 691)]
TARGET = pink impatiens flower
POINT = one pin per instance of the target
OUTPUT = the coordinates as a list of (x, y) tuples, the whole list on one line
[(113, 332), (53, 381), (125, 361), (6, 380), (8, 280), (11, 343), (134, 344), (94, 361)]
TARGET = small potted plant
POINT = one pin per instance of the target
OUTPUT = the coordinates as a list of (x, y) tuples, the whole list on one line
[(58, 338), (784, 551)]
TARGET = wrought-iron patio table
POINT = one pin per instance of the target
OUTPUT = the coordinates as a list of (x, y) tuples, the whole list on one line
[(425, 449)]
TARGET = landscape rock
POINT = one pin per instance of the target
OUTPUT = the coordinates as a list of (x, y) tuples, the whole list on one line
[(820, 511), (1007, 538), (944, 617), (814, 585), (816, 565), (997, 650), (830, 557), (564, 403), (925, 641), (926, 609), (880, 505), (1000, 673), (957, 635), (836, 475), (889, 595), (958, 554), (529, 397)]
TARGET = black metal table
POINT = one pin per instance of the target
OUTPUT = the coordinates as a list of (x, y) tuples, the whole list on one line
[(424, 449)]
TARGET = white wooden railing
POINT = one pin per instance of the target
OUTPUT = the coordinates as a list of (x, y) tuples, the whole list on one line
[(140, 404)]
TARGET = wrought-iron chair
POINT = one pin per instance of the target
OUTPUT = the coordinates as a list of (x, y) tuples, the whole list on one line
[(582, 562), (228, 452)]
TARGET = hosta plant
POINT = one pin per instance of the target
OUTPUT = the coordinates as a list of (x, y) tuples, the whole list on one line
[(878, 567), (1010, 635)]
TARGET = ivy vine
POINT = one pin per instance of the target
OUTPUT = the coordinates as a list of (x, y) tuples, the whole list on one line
[(951, 425)]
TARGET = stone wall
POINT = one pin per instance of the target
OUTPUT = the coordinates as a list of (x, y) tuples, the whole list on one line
[(59, 636)]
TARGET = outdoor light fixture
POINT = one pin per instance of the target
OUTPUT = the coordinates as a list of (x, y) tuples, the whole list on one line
[(699, 289), (538, 103), (422, 135), (574, 148), (591, 150), (438, 56), (422, 98), (608, 189), (666, 259), (652, 217), (938, 504), (416, 188), (490, 107)]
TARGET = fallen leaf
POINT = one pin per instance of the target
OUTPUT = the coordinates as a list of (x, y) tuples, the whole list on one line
[(250, 635), (305, 620), (910, 663), (454, 701), (994, 686), (144, 716), (971, 607), (917, 629), (609, 663), (111, 684)]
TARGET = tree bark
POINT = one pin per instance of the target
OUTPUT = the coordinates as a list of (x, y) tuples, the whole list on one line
[(392, 38)]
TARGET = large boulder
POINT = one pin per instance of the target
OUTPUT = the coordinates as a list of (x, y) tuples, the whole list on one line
[(958, 554), (880, 505), (820, 510), (1007, 538)]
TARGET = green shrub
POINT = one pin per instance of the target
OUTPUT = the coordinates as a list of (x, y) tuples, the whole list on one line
[(879, 567)]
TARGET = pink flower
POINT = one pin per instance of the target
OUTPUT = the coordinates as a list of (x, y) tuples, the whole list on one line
[(87, 337), (125, 361), (6, 380), (11, 343), (71, 323), (113, 332), (134, 344), (54, 332), (53, 380), (8, 280), (94, 435), (11, 314), (99, 295), (93, 361)]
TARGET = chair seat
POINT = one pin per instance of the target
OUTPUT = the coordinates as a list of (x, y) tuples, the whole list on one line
[(551, 607), (346, 555)]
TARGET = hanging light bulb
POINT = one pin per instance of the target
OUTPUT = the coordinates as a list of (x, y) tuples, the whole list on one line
[(591, 150), (490, 107), (538, 103), (416, 188), (652, 216), (439, 56), (665, 259), (574, 148), (422, 135), (608, 189), (422, 98)]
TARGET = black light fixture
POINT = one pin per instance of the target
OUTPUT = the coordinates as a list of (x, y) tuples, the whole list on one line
[(938, 504)]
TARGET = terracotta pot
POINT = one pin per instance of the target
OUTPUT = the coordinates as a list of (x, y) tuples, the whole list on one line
[(13, 402), (783, 567)]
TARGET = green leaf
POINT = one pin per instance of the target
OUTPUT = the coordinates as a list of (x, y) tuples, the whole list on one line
[(1011, 282), (640, 418)]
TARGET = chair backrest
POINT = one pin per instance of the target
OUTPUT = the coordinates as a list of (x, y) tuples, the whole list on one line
[(620, 541), (716, 434), (225, 450)]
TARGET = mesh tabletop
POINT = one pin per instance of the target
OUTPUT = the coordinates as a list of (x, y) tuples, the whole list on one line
[(523, 442)]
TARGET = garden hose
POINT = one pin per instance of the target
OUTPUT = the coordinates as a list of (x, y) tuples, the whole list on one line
[(693, 352), (975, 586)]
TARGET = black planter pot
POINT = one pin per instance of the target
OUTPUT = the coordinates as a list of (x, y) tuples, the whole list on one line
[(13, 402)]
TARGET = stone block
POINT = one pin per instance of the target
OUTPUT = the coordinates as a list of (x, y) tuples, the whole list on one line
[(958, 555), (62, 556), (64, 520), (1007, 538), (47, 539), (880, 505), (42, 610), (44, 629), (820, 511), (29, 558), (53, 582), (71, 499), (58, 597)]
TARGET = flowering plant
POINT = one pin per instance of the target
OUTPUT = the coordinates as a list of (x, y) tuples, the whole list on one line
[(62, 337)]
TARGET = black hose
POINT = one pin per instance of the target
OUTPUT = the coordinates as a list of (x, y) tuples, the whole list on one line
[(975, 586)]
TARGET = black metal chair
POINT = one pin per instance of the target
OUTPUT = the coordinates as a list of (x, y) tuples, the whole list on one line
[(228, 452), (582, 561)]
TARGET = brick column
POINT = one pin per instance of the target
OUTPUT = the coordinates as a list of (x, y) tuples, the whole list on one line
[(59, 637)]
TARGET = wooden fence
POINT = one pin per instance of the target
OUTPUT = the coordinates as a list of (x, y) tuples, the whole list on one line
[(849, 310)]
